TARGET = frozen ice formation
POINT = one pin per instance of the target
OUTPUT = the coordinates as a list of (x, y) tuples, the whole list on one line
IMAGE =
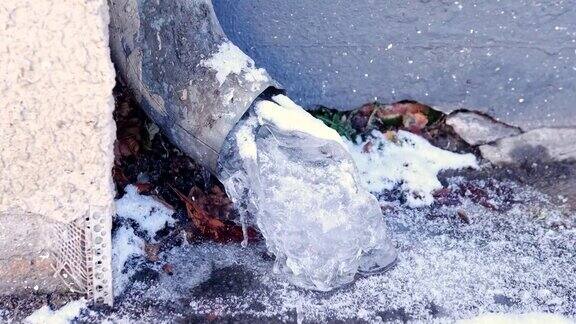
[(292, 176)]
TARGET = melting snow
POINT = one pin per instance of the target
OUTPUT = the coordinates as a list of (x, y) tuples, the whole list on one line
[(125, 246), (288, 116), (407, 160), (500, 262), (246, 143), (63, 315), (150, 214), (448, 270)]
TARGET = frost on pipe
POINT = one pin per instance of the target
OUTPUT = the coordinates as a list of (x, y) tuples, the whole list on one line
[(292, 176)]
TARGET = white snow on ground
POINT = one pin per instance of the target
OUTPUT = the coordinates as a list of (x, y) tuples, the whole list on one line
[(513, 260), (150, 214), (64, 315), (531, 318), (407, 160), (193, 266), (231, 60), (125, 246), (520, 261)]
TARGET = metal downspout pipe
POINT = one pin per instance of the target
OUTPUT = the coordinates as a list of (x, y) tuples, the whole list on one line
[(188, 77)]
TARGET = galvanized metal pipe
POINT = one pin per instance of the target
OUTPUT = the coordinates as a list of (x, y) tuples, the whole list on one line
[(163, 50)]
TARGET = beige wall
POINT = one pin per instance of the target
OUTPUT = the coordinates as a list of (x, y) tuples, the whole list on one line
[(56, 129)]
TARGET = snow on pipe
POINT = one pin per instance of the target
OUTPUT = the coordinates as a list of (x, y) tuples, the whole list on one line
[(189, 78)]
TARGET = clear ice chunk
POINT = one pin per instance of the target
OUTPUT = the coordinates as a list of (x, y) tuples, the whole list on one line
[(293, 178)]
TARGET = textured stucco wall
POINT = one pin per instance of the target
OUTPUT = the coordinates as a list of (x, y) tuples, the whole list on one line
[(56, 128), (515, 60)]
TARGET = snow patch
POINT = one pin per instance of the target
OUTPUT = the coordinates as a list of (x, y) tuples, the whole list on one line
[(63, 315), (125, 246), (231, 60), (150, 214), (406, 160), (288, 116), (530, 318)]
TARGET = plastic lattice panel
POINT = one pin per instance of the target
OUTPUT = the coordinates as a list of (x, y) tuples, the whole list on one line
[(82, 252)]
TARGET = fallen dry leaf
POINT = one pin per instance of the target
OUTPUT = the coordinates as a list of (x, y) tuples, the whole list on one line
[(367, 148), (406, 114), (414, 122), (127, 146), (144, 187), (463, 216), (409, 107), (119, 177), (168, 268), (360, 120), (152, 251), (201, 209)]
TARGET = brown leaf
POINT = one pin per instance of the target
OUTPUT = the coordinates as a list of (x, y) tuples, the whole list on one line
[(463, 216), (198, 205), (119, 177), (144, 187), (168, 268), (152, 251), (367, 148), (129, 135), (447, 197), (408, 107), (406, 114), (414, 122), (367, 109), (123, 109), (128, 146), (388, 113), (477, 195), (360, 120)]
